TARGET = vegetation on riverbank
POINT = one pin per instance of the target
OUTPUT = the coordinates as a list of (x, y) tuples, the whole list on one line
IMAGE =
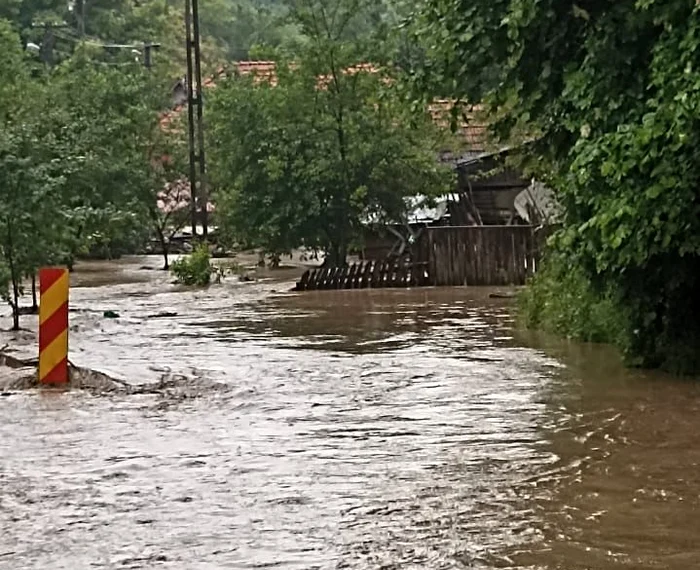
[(194, 269), (89, 168), (611, 95), (607, 96)]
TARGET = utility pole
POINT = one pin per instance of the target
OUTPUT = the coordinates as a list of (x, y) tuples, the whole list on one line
[(147, 53), (49, 40), (147, 48), (80, 16), (195, 118)]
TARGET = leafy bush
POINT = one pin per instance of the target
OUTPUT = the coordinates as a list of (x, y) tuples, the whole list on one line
[(612, 119), (194, 269), (560, 299), (653, 330)]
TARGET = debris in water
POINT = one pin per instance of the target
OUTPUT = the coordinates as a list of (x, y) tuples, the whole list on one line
[(21, 374), (503, 295), (164, 314)]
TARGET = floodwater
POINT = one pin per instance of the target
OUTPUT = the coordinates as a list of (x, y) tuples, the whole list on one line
[(343, 430)]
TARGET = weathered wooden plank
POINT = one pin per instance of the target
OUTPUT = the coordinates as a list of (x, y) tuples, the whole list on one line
[(344, 277), (324, 278), (303, 282), (401, 274), (386, 273), (349, 280), (367, 274), (432, 258), (390, 274), (376, 275), (424, 278), (354, 281), (463, 261), (334, 276), (338, 276), (313, 280), (321, 279), (398, 274)]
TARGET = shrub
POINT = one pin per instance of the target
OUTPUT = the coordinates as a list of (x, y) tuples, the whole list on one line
[(194, 269), (560, 299), (652, 330)]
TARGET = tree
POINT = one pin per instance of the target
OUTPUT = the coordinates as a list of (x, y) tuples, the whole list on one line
[(31, 228), (238, 27), (82, 161), (329, 146), (132, 160), (610, 92), (170, 211), (32, 162)]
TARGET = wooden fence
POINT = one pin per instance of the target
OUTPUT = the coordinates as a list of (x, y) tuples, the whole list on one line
[(478, 255), (365, 274), (443, 256)]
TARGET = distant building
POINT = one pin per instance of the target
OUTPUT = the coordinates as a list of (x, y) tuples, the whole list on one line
[(488, 192)]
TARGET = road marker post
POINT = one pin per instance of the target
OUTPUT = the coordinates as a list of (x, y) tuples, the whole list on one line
[(53, 325)]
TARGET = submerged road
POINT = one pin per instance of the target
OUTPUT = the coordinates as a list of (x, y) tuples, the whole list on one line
[(358, 429)]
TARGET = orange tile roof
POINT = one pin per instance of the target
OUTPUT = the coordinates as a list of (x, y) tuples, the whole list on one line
[(471, 127), (265, 70)]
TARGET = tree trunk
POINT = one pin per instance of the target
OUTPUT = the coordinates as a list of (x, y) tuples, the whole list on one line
[(164, 247), (15, 295), (15, 306), (35, 301), (337, 255), (14, 277)]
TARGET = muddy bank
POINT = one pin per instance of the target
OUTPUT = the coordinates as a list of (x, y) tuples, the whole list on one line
[(18, 375)]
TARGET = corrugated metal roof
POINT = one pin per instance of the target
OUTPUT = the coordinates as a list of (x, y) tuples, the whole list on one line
[(421, 209)]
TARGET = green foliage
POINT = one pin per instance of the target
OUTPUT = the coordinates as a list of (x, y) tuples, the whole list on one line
[(129, 165), (81, 161), (305, 161), (195, 269), (612, 90), (33, 163), (238, 27), (230, 29), (562, 301)]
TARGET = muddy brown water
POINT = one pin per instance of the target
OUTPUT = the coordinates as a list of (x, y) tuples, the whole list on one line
[(359, 430)]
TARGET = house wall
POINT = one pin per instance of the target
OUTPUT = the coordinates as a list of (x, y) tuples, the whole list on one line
[(494, 195)]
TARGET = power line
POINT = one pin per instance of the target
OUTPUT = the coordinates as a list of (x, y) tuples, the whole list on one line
[(51, 31)]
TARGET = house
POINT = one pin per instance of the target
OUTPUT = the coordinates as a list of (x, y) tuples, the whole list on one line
[(487, 189), (488, 192)]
